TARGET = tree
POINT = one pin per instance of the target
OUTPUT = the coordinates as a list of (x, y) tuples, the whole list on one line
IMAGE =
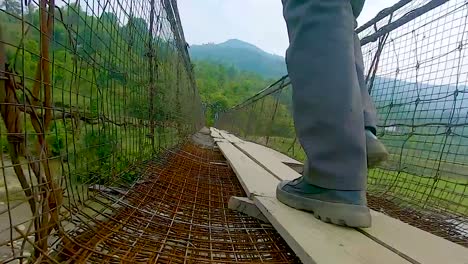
[(111, 18), (11, 6)]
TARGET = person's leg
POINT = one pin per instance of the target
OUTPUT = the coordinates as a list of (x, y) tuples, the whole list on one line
[(376, 151), (328, 112), (326, 94), (370, 113)]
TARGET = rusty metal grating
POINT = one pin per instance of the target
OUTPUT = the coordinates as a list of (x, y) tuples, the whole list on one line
[(176, 213)]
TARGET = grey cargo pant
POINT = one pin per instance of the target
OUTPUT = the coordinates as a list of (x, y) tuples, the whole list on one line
[(331, 103)]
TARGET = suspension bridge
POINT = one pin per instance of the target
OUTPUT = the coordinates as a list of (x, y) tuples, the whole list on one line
[(105, 157)]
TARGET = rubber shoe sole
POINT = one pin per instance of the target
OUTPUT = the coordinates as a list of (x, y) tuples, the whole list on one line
[(336, 213)]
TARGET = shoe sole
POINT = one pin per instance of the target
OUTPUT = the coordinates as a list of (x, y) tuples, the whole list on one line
[(337, 213)]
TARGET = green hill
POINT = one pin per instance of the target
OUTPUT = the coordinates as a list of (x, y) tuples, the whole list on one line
[(241, 55)]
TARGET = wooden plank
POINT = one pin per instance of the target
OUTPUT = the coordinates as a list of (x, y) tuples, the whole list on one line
[(220, 140), (288, 161), (268, 151), (415, 243), (268, 161), (215, 133), (316, 242), (246, 206), (230, 137), (254, 179)]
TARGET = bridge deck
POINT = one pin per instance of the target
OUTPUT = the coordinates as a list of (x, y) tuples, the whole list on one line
[(176, 213), (259, 169)]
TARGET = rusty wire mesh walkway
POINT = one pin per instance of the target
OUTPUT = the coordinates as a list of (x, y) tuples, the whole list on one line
[(176, 213)]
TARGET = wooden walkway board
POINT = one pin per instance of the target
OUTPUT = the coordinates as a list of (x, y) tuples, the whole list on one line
[(268, 161), (230, 137), (246, 206), (215, 133), (317, 242), (220, 140), (276, 154), (254, 179), (419, 245)]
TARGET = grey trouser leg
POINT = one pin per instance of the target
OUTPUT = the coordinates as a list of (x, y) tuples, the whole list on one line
[(328, 105), (370, 113)]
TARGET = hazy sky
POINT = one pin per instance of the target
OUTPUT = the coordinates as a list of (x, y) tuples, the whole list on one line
[(259, 22)]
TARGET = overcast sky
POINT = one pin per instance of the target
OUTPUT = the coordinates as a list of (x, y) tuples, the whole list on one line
[(259, 22)]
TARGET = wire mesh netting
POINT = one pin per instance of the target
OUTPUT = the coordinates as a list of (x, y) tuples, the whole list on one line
[(88, 91), (415, 55), (176, 213)]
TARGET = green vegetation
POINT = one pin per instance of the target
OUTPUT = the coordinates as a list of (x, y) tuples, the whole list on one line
[(102, 72), (221, 87), (419, 191), (243, 56)]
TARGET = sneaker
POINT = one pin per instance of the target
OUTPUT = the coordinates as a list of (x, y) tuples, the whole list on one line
[(376, 151), (345, 208)]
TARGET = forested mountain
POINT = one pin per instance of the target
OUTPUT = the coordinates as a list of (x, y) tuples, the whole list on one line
[(232, 71), (432, 103), (242, 55), (224, 86)]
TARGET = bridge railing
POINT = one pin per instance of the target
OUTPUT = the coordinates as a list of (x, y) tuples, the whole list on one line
[(88, 90), (416, 59)]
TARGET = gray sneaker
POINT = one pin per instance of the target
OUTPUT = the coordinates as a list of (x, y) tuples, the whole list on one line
[(345, 208), (376, 151)]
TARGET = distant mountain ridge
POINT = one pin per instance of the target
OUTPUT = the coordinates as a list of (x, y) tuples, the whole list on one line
[(242, 55)]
